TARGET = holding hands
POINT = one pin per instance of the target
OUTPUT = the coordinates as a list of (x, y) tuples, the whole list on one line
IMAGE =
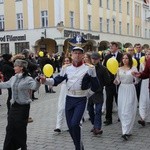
[(136, 74)]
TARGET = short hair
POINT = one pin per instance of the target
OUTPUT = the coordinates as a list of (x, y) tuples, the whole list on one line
[(115, 43)]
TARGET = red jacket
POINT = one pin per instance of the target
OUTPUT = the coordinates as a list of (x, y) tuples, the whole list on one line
[(146, 73)]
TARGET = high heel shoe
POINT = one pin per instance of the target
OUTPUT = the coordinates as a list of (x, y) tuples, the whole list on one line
[(124, 136)]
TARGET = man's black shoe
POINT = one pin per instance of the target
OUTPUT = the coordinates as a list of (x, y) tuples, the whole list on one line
[(107, 122), (57, 130)]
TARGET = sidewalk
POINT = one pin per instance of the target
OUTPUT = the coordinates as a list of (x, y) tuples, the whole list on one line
[(41, 135)]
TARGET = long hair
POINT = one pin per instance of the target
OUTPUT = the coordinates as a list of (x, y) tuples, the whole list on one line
[(130, 60)]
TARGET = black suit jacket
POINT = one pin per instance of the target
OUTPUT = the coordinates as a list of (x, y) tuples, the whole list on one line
[(118, 58), (138, 60)]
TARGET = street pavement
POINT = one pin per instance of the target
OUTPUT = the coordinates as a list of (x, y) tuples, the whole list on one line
[(42, 137)]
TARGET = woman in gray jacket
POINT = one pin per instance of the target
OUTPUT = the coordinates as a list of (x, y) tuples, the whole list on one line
[(21, 84)]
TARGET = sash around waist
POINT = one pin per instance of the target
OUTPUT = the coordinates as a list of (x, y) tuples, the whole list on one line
[(77, 93)]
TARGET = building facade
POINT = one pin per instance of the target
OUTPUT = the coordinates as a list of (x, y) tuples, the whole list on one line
[(48, 24)]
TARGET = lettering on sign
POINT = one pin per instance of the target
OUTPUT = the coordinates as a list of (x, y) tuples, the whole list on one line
[(9, 38), (88, 36)]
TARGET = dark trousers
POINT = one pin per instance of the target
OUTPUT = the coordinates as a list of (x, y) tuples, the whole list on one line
[(8, 99), (138, 89), (16, 130), (95, 113), (111, 93), (74, 110)]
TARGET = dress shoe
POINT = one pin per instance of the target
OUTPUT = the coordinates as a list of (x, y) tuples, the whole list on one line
[(52, 91), (124, 136), (107, 122), (141, 122), (34, 98), (97, 132), (57, 130)]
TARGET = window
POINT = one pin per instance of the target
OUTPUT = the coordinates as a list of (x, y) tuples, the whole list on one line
[(20, 46), (114, 5), (120, 6), (101, 3), (1, 22), (137, 10), (101, 24), (71, 19), (145, 14), (107, 4), (128, 8), (44, 18), (128, 29), (89, 22), (145, 33), (20, 21), (108, 25), (114, 26), (139, 31), (120, 27), (89, 1), (4, 48), (1, 1), (18, 0)]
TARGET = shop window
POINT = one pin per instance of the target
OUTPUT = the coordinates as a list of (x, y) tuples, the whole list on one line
[(20, 46), (4, 48)]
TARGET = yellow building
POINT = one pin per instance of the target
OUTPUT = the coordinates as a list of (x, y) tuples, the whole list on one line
[(48, 24)]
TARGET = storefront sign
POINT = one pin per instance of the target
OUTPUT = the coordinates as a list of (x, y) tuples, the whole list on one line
[(88, 36), (8, 38)]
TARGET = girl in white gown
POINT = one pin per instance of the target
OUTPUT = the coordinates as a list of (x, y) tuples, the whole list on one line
[(144, 102), (127, 98), (61, 102)]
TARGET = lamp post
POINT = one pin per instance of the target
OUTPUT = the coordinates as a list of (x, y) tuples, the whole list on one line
[(60, 28)]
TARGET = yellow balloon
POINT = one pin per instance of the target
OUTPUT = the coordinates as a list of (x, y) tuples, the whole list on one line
[(142, 59), (134, 62), (48, 70), (100, 52), (41, 53), (112, 65)]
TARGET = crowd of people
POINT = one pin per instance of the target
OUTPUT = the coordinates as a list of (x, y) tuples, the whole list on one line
[(87, 85)]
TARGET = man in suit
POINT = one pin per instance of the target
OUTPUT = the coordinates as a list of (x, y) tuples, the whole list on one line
[(111, 89), (137, 56)]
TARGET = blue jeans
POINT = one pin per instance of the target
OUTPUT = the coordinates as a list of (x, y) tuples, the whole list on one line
[(95, 113)]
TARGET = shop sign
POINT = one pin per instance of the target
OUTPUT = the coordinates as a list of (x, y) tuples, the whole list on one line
[(88, 36), (9, 38)]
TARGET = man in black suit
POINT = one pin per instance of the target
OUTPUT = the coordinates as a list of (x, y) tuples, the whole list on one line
[(111, 89), (137, 56)]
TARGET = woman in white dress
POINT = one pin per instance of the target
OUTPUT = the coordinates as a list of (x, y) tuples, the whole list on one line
[(62, 101), (127, 98), (144, 102)]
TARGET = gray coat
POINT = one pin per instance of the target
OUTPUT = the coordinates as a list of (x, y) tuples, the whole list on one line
[(21, 88)]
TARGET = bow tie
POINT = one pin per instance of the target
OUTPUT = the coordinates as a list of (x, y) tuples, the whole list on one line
[(113, 55)]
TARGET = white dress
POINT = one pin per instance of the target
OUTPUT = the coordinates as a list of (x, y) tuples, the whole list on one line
[(144, 101), (61, 119), (127, 99)]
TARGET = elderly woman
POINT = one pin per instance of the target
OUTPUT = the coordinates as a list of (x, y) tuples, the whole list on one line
[(21, 84)]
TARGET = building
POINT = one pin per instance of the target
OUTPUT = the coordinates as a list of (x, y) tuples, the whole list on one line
[(48, 24)]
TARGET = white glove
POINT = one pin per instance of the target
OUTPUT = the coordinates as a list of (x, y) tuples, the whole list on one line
[(92, 72)]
